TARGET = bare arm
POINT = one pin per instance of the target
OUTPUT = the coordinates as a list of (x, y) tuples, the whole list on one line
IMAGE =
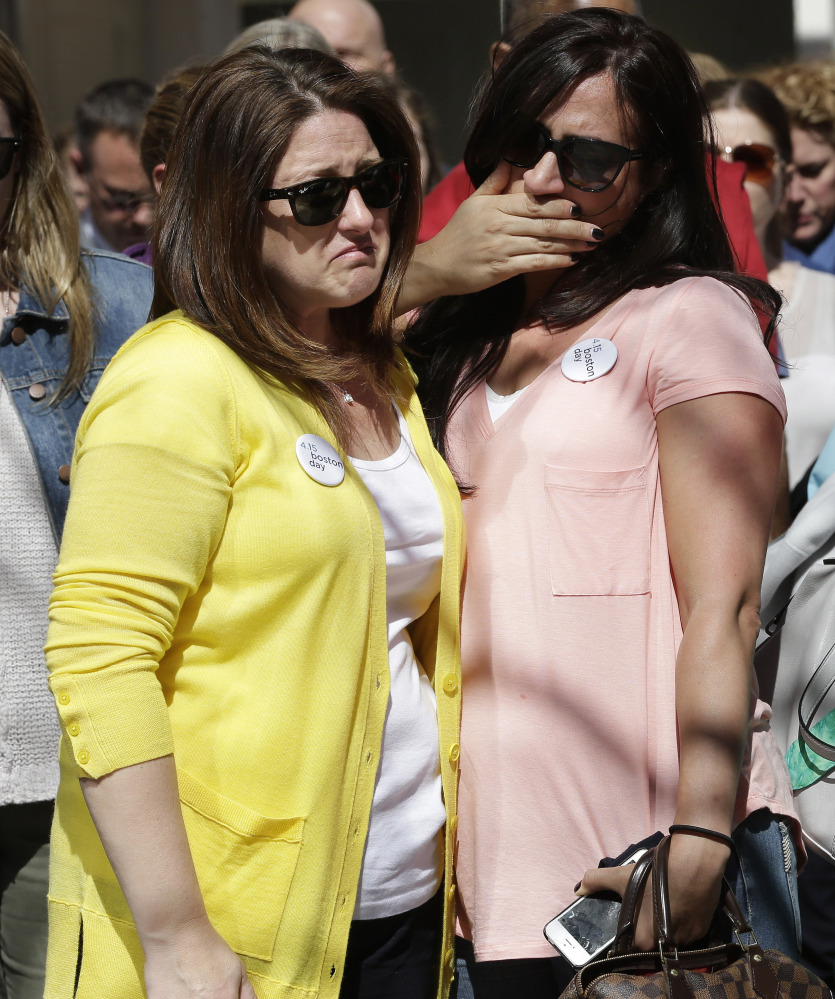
[(492, 237), (719, 460), (137, 813)]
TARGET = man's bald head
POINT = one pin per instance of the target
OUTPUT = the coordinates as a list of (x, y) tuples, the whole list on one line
[(519, 12), (352, 27)]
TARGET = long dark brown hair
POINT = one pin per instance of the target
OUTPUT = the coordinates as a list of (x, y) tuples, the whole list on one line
[(674, 232), (237, 123)]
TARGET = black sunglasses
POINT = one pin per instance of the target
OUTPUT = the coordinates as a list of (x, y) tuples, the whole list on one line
[(8, 147), (316, 202), (587, 164)]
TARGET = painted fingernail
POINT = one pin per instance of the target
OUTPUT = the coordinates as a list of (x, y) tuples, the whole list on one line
[(577, 886), (598, 234), (575, 211)]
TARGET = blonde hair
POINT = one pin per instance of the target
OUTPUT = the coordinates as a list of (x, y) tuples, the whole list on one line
[(708, 68), (39, 237), (807, 91)]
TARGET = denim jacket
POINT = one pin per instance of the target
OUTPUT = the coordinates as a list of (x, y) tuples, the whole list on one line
[(34, 353)]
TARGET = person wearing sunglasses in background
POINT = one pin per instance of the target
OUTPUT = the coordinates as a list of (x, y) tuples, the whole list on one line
[(121, 200), (63, 316), (752, 128), (617, 427), (254, 629)]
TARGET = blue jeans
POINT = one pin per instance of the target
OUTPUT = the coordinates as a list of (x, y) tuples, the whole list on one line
[(764, 880), (763, 876)]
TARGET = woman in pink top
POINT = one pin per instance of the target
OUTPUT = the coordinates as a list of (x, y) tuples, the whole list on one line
[(617, 429)]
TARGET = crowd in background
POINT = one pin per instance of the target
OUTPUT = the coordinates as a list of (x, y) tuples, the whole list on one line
[(774, 168)]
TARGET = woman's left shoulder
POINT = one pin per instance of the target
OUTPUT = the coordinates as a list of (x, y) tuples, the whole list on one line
[(703, 309), (122, 290), (699, 291), (105, 267)]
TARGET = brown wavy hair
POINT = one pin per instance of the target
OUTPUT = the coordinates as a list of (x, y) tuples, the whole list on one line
[(39, 236), (237, 123), (162, 116), (807, 92)]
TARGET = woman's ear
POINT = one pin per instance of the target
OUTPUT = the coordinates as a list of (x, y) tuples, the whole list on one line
[(157, 175)]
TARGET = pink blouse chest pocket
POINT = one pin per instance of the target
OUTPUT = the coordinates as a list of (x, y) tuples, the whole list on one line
[(598, 531)]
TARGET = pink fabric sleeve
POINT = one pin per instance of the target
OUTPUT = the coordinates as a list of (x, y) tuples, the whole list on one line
[(708, 341)]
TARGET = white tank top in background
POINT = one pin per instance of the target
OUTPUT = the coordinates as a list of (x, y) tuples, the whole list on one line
[(403, 862)]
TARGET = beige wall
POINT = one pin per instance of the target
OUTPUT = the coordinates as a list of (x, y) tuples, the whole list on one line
[(71, 45)]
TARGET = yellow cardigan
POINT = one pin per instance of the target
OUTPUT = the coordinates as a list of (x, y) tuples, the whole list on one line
[(214, 601)]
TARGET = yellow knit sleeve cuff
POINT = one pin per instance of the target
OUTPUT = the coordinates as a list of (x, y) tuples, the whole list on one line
[(113, 725)]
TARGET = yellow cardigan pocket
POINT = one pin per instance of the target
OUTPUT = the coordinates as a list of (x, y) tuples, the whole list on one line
[(245, 863)]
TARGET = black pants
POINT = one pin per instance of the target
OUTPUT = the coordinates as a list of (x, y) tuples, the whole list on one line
[(24, 878), (397, 957)]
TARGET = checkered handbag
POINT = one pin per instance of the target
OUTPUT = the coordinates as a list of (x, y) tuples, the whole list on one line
[(721, 971)]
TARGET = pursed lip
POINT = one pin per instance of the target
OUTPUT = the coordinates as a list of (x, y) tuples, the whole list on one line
[(356, 250)]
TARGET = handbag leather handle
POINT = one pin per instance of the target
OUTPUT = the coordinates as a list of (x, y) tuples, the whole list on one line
[(763, 977), (661, 899), (627, 920), (661, 894)]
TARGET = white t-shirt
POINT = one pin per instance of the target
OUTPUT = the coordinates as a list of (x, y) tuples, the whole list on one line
[(500, 404), (403, 862)]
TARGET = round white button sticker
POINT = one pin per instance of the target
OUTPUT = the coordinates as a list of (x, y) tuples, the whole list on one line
[(320, 460), (589, 359)]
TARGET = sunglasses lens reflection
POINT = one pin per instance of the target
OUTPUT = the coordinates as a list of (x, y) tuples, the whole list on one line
[(758, 160), (591, 165), (322, 200), (382, 185), (527, 150)]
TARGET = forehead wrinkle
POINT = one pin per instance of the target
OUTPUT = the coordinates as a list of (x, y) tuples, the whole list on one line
[(339, 147)]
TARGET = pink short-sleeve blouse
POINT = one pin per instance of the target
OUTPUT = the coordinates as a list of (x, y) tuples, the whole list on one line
[(570, 620)]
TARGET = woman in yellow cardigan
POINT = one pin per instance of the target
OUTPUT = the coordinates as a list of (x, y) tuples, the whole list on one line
[(254, 630)]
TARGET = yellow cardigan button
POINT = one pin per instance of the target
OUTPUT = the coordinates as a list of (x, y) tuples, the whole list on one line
[(84, 757), (454, 752), (74, 729), (63, 697), (450, 684)]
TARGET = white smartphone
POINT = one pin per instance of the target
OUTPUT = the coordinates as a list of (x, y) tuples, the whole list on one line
[(588, 926)]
